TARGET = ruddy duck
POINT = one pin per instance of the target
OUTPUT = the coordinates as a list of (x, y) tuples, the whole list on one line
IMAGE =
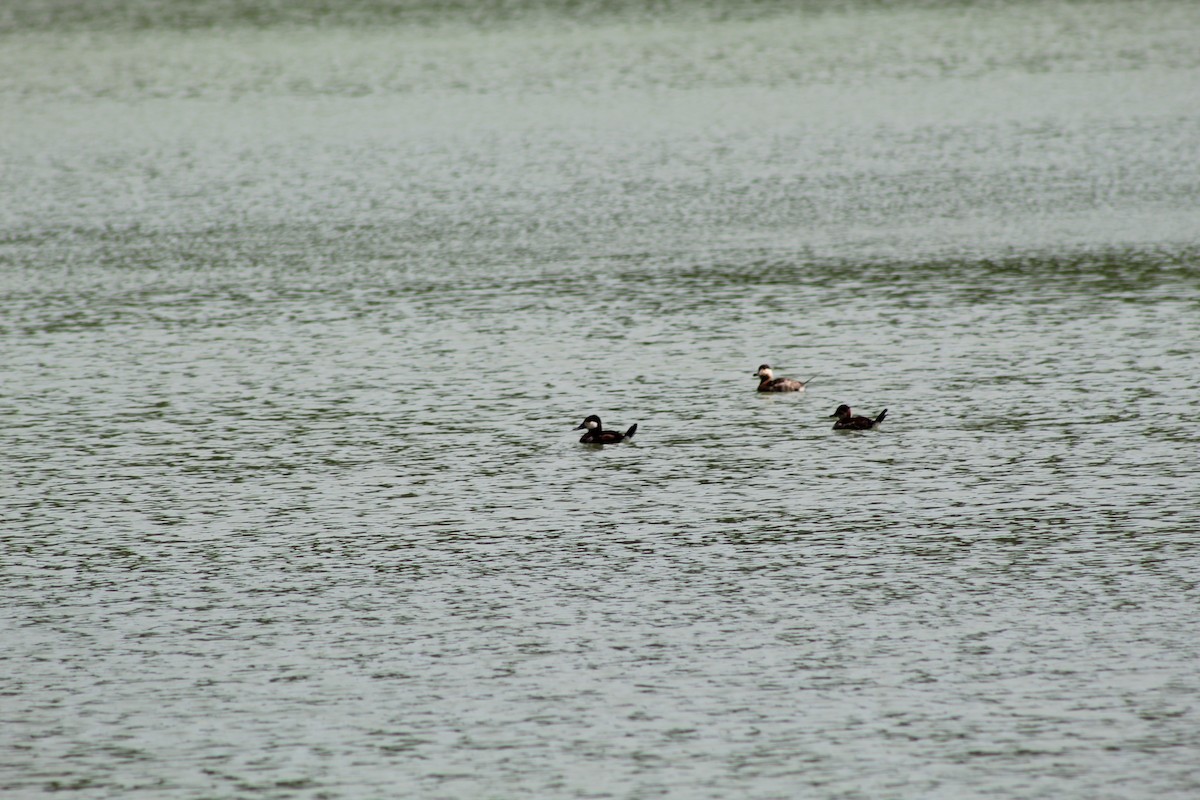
[(847, 421), (597, 435), (767, 382)]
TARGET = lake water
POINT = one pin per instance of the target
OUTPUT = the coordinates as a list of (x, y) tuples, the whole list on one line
[(299, 307)]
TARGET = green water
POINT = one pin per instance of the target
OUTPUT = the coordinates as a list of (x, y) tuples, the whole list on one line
[(300, 304)]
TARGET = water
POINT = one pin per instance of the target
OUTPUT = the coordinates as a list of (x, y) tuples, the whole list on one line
[(298, 308)]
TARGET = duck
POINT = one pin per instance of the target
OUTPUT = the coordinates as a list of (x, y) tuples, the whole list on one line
[(597, 435), (847, 421), (767, 382)]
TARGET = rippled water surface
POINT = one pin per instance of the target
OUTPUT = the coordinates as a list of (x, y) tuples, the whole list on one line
[(299, 307)]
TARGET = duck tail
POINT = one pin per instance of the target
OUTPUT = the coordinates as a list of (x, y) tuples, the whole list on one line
[(882, 414), (810, 380), (632, 430)]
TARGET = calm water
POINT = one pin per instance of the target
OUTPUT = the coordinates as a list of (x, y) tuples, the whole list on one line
[(298, 309)]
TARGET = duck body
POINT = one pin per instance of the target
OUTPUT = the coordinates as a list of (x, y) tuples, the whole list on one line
[(597, 435), (848, 421), (767, 382)]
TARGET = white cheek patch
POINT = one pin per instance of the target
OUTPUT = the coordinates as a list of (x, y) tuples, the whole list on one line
[(592, 425)]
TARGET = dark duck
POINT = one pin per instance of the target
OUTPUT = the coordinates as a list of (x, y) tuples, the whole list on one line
[(847, 421), (767, 382), (597, 435)]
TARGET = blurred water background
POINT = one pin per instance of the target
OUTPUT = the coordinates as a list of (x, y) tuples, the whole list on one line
[(299, 302)]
